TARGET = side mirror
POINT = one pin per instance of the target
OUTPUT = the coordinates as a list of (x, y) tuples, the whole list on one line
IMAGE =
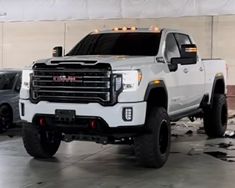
[(188, 55), (57, 51)]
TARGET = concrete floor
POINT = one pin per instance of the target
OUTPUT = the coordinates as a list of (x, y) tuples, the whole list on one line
[(84, 164)]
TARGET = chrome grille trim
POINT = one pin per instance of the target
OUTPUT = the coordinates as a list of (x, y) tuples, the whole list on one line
[(87, 84)]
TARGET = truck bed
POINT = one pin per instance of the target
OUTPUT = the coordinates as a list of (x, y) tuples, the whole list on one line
[(214, 68)]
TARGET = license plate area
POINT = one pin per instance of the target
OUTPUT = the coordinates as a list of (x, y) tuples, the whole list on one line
[(68, 116)]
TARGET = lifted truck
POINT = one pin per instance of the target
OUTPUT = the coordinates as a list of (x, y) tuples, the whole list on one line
[(123, 85)]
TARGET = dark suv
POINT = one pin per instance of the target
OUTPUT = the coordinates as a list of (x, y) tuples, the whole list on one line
[(10, 83)]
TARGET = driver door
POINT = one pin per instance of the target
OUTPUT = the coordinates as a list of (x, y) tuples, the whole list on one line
[(192, 76), (176, 78)]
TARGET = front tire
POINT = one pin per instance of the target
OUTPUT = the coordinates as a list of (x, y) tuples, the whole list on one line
[(152, 149), (40, 143), (215, 117)]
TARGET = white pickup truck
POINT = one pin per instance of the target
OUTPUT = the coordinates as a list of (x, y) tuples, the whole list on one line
[(124, 85)]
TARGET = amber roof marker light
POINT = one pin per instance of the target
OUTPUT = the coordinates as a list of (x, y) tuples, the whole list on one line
[(124, 28), (115, 29), (155, 29), (133, 28), (96, 31)]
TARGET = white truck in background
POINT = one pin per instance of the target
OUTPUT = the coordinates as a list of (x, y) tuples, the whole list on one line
[(123, 85)]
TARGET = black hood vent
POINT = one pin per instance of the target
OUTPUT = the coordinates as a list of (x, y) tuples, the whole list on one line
[(74, 61)]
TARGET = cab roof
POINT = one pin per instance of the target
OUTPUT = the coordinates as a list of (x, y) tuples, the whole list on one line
[(128, 29)]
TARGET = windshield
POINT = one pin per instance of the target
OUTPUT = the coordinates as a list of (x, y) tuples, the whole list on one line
[(139, 44)]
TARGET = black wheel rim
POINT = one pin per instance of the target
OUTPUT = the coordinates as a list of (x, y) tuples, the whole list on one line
[(163, 137), (49, 137), (49, 140)]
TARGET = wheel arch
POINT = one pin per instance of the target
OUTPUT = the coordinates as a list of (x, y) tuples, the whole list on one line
[(155, 90), (218, 87)]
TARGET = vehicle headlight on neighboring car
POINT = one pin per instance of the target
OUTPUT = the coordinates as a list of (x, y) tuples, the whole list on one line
[(26, 79), (130, 79)]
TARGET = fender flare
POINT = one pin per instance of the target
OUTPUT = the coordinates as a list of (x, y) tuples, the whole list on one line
[(217, 77), (153, 85)]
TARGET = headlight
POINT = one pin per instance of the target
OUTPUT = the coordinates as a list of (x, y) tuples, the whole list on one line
[(26, 79), (130, 79)]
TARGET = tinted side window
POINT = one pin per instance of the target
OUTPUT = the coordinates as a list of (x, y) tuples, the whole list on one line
[(182, 39), (171, 49), (7, 81)]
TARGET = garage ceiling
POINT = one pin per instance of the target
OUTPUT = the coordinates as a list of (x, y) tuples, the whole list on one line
[(35, 10)]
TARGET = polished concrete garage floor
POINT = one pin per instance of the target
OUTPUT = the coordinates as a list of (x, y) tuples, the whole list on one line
[(195, 161)]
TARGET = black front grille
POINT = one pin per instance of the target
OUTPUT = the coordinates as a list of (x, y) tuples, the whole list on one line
[(73, 83)]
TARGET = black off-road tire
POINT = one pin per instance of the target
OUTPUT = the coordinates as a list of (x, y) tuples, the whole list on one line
[(152, 149), (6, 118), (215, 117), (40, 143)]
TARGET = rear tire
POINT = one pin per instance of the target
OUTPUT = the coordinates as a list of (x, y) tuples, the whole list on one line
[(152, 149), (40, 143), (215, 117)]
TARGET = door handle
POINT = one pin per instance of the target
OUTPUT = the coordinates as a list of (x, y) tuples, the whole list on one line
[(185, 70), (201, 69)]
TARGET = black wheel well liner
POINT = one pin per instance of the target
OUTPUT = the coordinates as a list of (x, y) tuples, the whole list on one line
[(218, 87), (154, 92)]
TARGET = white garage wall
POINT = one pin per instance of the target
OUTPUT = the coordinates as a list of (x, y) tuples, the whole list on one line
[(224, 42), (35, 10), (24, 42), (1, 44)]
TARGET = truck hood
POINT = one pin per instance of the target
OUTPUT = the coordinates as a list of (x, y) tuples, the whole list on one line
[(116, 62)]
